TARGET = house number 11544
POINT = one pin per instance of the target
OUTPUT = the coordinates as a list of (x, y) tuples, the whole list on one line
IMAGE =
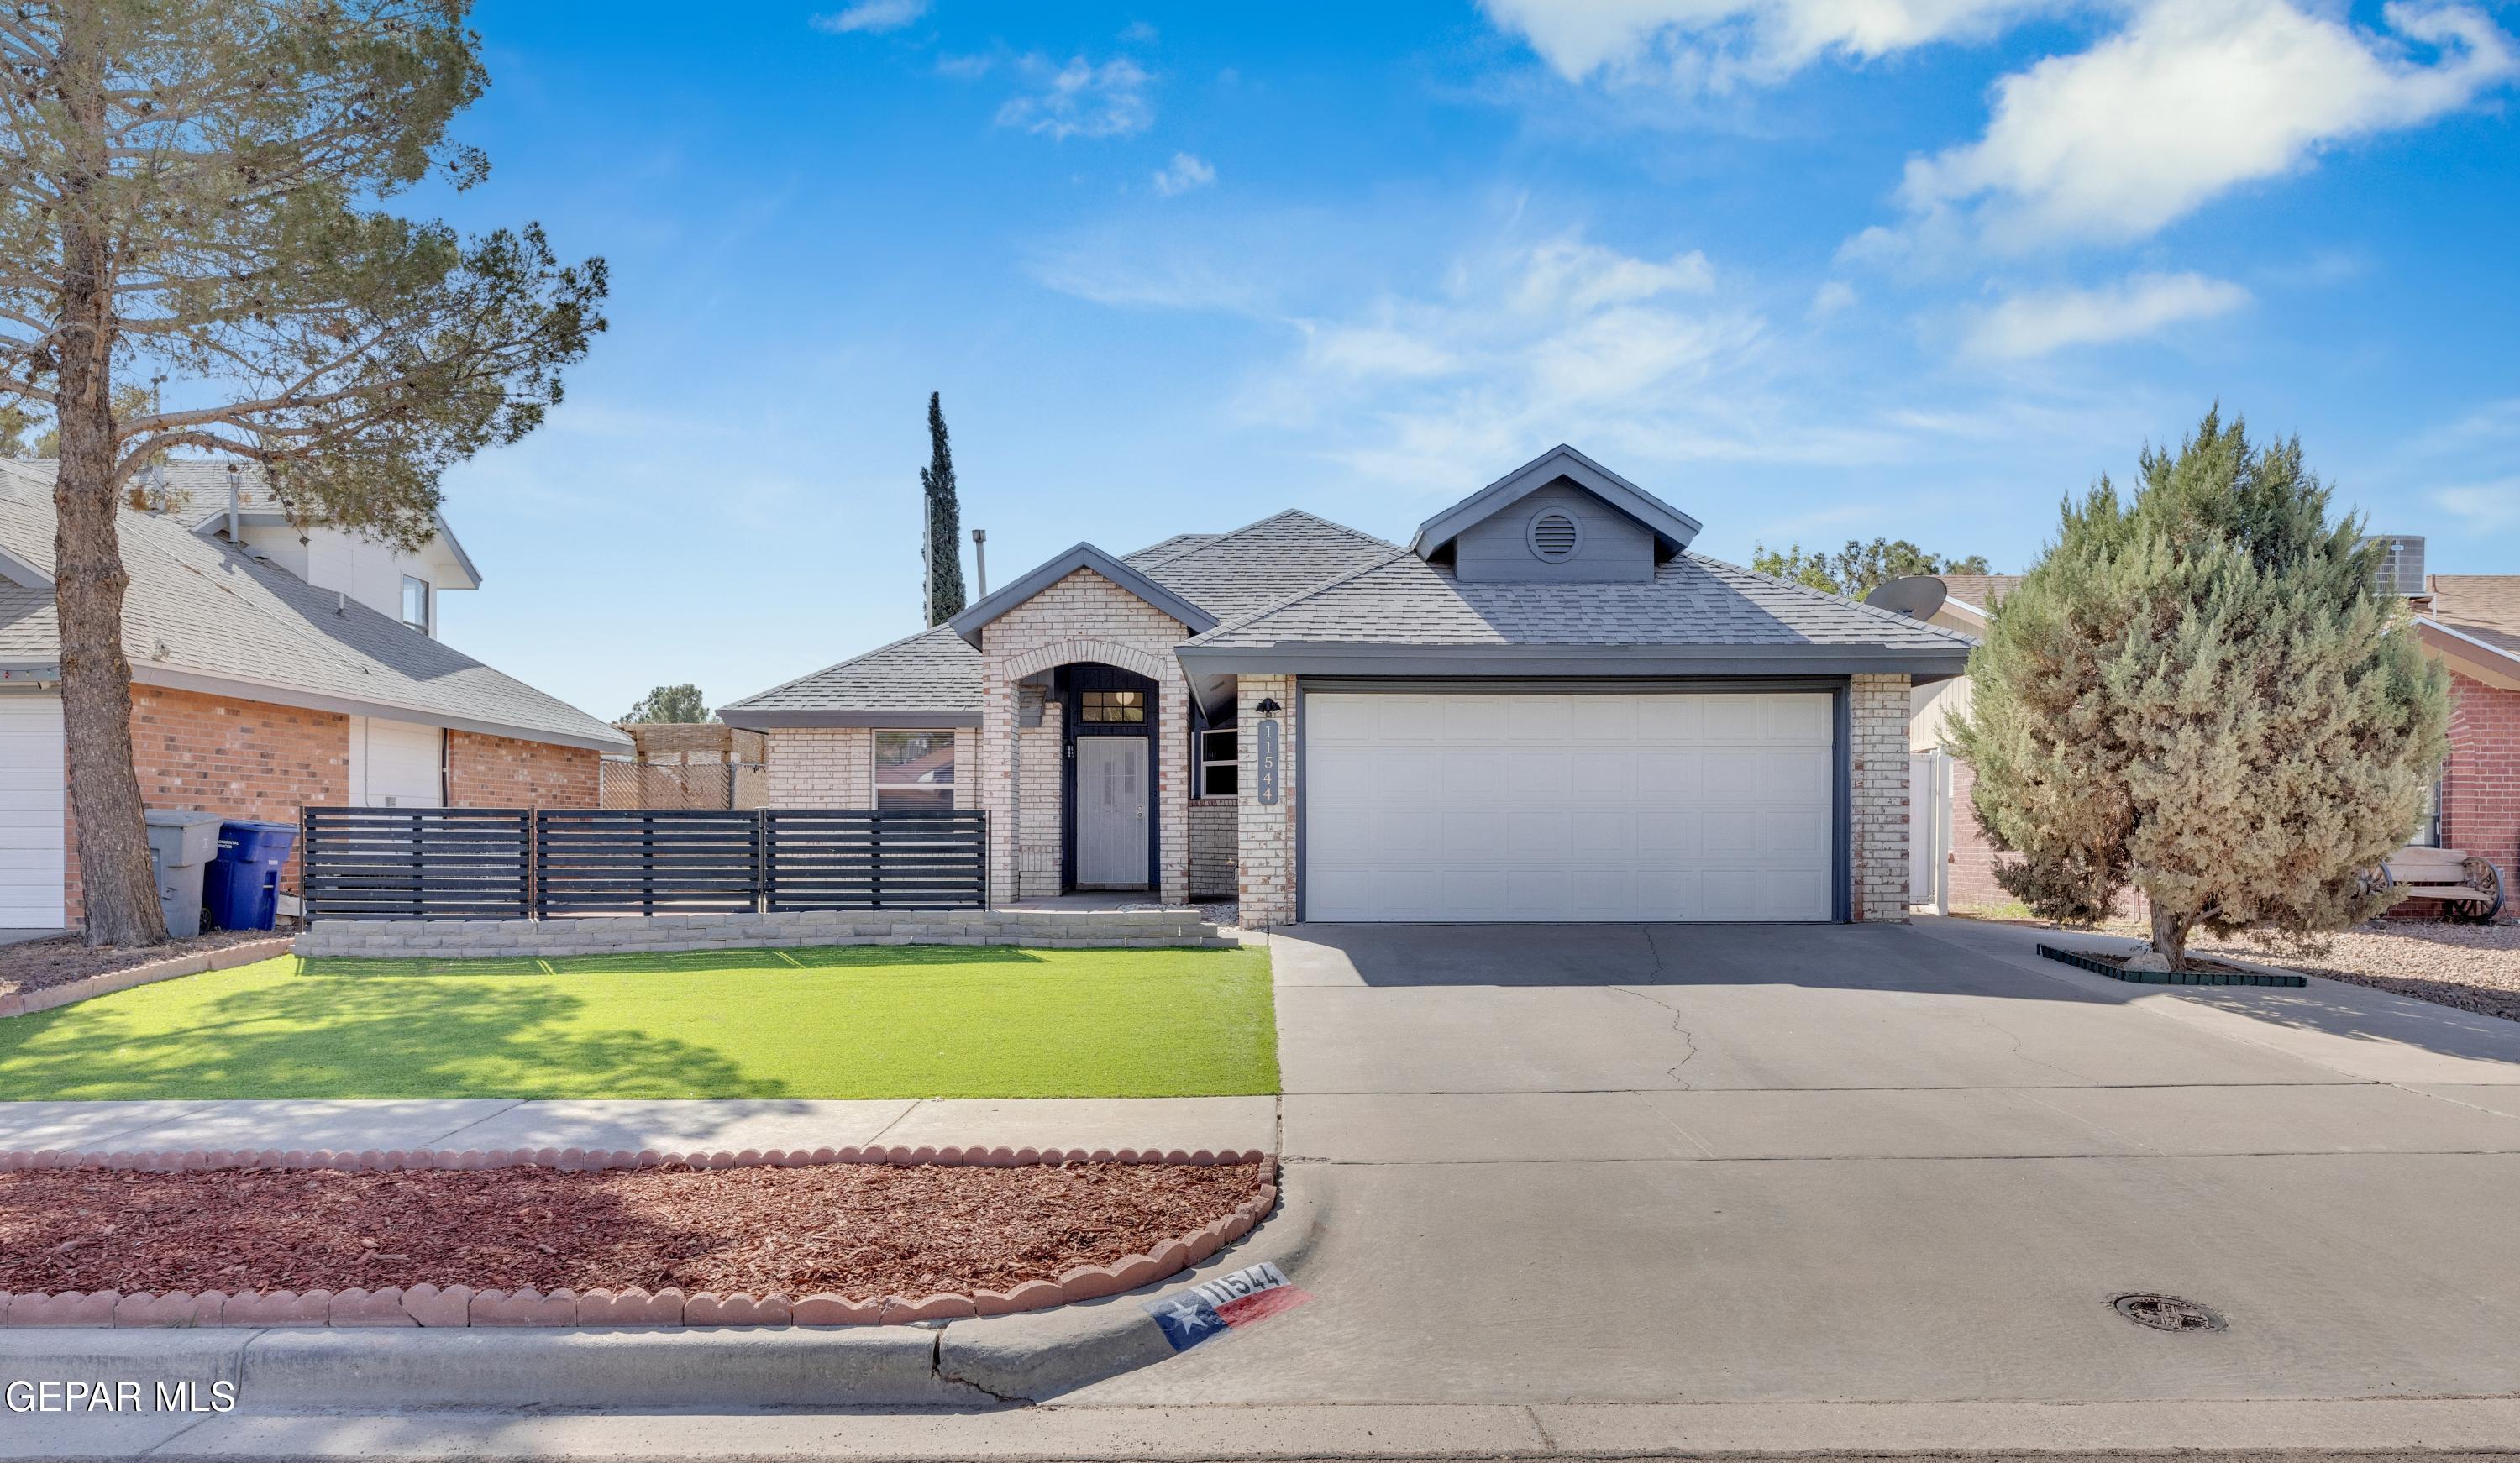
[(1264, 764)]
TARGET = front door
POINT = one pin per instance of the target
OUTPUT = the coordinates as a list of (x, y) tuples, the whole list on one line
[(1112, 812)]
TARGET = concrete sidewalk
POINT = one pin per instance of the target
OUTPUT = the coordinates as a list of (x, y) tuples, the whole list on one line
[(486, 1123)]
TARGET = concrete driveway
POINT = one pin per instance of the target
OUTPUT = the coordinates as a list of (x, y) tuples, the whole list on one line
[(1718, 1164)]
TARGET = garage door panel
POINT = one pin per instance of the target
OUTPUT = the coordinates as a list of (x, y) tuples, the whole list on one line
[(1538, 807), (32, 794)]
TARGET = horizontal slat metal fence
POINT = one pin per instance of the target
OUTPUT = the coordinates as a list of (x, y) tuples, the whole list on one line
[(646, 860), (925, 859), (493, 864), (415, 862)]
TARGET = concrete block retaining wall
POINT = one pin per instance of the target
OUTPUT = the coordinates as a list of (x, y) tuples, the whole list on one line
[(613, 934)]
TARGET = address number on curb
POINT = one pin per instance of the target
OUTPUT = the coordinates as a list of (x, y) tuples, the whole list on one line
[(1252, 1294)]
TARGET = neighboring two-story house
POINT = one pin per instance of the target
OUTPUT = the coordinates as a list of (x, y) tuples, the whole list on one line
[(272, 667), (1544, 707)]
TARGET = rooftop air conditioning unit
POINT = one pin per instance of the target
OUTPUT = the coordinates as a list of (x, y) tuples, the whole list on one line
[(2402, 565)]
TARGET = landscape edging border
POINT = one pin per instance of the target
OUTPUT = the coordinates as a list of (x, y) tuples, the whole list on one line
[(2081, 961), (174, 967), (430, 1305)]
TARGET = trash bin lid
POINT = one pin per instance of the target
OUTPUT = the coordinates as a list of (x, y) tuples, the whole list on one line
[(180, 836), (179, 818)]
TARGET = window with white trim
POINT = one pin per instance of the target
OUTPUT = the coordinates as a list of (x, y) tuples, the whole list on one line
[(1217, 763), (415, 604), (913, 770)]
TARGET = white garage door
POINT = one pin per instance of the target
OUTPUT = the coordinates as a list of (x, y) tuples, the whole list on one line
[(1539, 807), (396, 764), (31, 797)]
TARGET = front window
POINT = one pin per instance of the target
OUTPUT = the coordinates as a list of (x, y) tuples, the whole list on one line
[(2428, 830), (1114, 706), (415, 604), (913, 770), (1216, 764)]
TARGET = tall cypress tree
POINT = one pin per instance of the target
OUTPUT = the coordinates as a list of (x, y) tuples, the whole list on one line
[(944, 519)]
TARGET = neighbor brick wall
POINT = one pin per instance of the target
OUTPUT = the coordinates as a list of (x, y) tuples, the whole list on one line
[(503, 772), (2480, 786), (239, 759), (824, 766), (1972, 860), (1877, 724), (1265, 835), (1084, 618), (1212, 824)]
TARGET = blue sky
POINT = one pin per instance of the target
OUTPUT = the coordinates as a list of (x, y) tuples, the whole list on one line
[(1807, 269)]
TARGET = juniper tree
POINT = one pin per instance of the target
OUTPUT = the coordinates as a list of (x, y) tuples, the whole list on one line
[(944, 520), (2198, 693), (197, 190)]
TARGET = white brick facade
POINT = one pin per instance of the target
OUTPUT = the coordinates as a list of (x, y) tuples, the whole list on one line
[(1213, 823), (1265, 834), (1082, 618), (1878, 727), (821, 766), (1038, 765)]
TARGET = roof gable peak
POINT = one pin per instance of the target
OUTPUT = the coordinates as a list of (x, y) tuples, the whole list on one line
[(976, 617), (1672, 528)]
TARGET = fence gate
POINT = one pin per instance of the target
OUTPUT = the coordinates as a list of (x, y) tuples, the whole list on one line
[(1929, 831)]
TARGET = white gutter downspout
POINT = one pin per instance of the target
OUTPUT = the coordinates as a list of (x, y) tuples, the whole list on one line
[(236, 532)]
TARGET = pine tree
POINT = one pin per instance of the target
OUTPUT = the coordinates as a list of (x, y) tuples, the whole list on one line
[(944, 519), (197, 192), (2201, 694), (671, 703)]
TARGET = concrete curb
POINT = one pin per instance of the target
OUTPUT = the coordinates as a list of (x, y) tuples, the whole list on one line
[(1037, 1356), (52, 997), (963, 1364), (462, 1306)]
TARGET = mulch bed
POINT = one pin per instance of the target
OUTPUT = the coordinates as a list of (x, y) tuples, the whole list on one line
[(41, 964), (855, 1229)]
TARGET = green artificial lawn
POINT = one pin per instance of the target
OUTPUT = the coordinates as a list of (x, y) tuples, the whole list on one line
[(860, 1021)]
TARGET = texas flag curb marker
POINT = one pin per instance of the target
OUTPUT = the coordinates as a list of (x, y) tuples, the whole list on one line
[(1216, 1306)]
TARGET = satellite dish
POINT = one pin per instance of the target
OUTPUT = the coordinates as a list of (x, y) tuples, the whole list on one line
[(1915, 596)]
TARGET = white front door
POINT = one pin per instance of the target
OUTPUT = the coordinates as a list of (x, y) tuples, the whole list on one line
[(1111, 804), (1676, 806), (396, 764), (32, 796)]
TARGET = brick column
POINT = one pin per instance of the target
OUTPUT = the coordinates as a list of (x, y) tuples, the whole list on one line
[(1264, 835), (1877, 730)]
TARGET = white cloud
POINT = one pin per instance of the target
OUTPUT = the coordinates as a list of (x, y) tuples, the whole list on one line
[(2037, 323), (1083, 100), (2193, 98), (1831, 298), (1185, 172), (872, 14), (1714, 43), (2485, 506)]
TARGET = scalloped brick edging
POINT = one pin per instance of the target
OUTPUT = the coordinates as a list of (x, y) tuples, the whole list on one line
[(52, 997), (462, 1305)]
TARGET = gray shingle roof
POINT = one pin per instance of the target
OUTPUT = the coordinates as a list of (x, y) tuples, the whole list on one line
[(198, 613), (1262, 563), (1155, 554), (936, 670), (1692, 601)]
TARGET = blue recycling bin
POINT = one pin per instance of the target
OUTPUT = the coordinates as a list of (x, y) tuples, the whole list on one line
[(241, 887)]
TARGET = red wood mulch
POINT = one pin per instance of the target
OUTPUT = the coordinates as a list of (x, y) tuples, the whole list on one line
[(853, 1229)]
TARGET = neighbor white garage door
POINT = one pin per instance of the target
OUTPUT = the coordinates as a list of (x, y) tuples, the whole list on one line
[(1539, 807), (31, 796)]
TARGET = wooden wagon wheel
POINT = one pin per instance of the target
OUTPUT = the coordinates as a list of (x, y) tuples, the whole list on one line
[(2485, 877)]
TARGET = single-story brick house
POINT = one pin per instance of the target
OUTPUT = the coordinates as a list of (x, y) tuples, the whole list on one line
[(2470, 623), (273, 666), (1544, 707)]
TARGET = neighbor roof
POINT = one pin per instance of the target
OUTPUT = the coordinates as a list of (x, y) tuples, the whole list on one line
[(2481, 606), (200, 616), (197, 490), (1979, 591), (1696, 614), (929, 678)]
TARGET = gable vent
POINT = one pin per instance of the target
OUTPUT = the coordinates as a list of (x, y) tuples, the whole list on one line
[(1556, 536)]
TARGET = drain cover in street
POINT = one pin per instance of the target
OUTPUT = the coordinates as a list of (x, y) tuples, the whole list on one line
[(2168, 1314)]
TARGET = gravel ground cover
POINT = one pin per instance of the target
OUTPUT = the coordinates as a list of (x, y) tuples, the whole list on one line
[(834, 1021), (853, 1229), (2474, 968), (40, 965)]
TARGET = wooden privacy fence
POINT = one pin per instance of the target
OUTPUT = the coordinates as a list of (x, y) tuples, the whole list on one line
[(554, 862)]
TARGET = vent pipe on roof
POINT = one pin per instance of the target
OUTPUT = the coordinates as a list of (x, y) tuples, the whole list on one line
[(980, 560), (236, 535)]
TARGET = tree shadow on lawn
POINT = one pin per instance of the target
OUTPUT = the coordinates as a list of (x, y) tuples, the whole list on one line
[(321, 1036)]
